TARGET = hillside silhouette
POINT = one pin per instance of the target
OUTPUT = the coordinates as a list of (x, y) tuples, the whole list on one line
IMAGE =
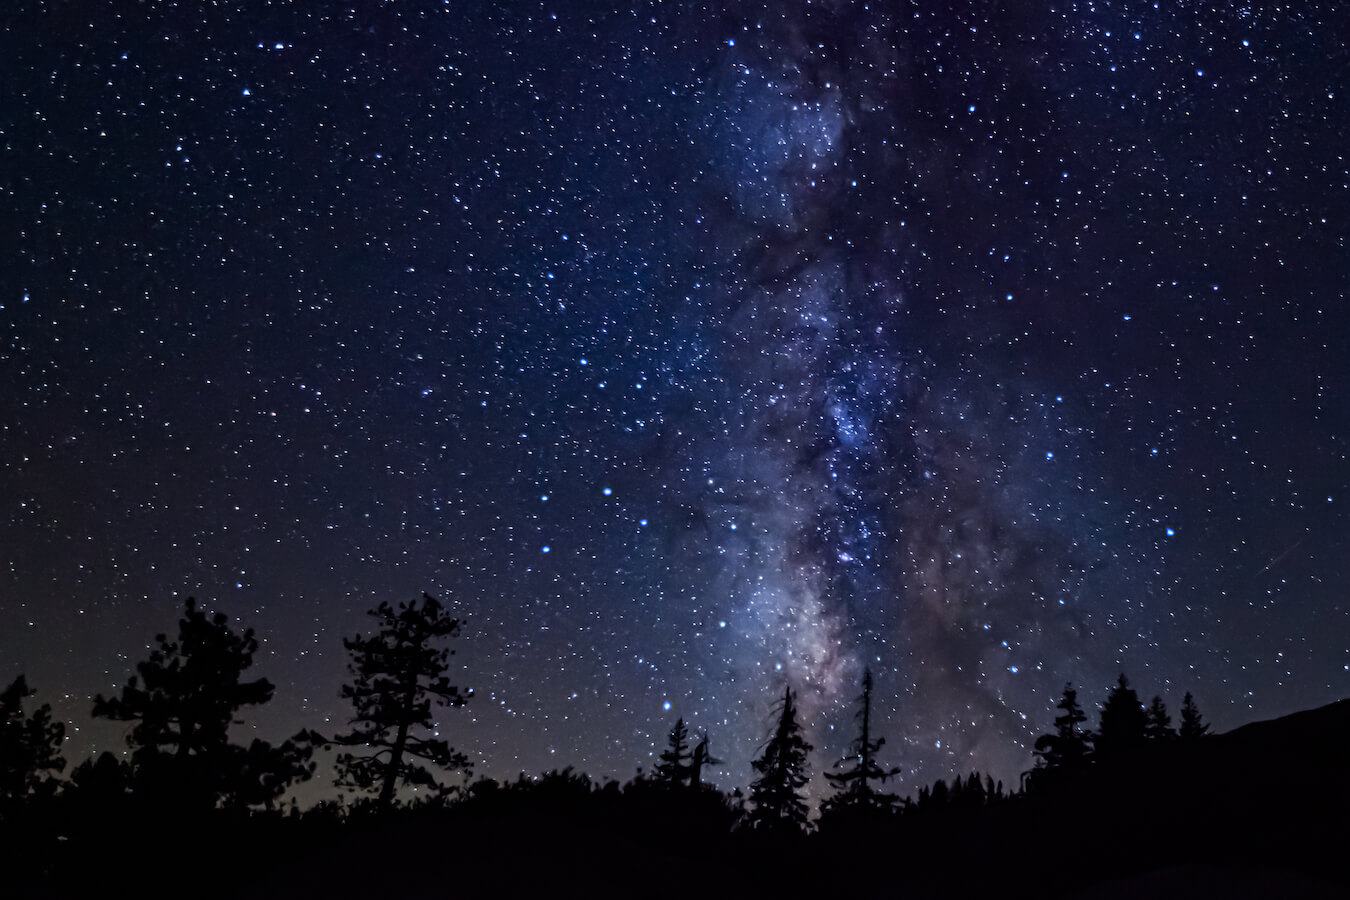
[(1259, 811)]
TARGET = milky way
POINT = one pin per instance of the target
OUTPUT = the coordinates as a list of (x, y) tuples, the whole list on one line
[(688, 353), (884, 510)]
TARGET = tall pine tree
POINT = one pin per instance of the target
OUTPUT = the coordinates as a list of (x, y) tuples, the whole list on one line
[(674, 763), (1070, 746), (183, 700), (702, 757), (398, 673), (1124, 722), (857, 787), (776, 804)]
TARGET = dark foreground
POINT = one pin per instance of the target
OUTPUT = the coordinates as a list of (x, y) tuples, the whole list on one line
[(1263, 811)]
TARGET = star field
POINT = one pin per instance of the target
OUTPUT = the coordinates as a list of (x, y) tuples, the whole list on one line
[(684, 350)]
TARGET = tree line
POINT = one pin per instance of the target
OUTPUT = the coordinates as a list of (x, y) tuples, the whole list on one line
[(184, 697), (1126, 728)]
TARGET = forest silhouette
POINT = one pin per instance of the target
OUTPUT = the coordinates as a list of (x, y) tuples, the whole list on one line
[(1125, 805)]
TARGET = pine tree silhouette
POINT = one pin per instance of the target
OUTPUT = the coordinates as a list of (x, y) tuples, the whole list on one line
[(1124, 722), (1159, 725), (1069, 747), (939, 796), (397, 675), (184, 699), (1192, 727), (970, 794), (857, 787), (30, 749), (993, 791), (675, 762), (776, 806), (702, 757)]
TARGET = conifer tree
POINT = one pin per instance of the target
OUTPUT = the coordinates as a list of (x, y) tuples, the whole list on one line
[(398, 673), (675, 762), (702, 757), (940, 795), (969, 793), (993, 791), (1124, 722), (1069, 747), (858, 787), (1159, 725), (30, 748), (775, 802), (183, 699), (1192, 727)]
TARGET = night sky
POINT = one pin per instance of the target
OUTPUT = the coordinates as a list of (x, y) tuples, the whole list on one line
[(685, 351)]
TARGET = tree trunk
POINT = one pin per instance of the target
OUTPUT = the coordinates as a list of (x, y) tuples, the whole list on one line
[(400, 742), (395, 761)]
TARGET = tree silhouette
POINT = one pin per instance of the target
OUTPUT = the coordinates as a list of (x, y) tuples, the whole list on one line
[(1159, 723), (775, 804), (30, 748), (675, 762), (969, 794), (855, 793), (1124, 722), (183, 699), (702, 757), (965, 795), (1069, 747), (1191, 725), (398, 673), (934, 798)]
